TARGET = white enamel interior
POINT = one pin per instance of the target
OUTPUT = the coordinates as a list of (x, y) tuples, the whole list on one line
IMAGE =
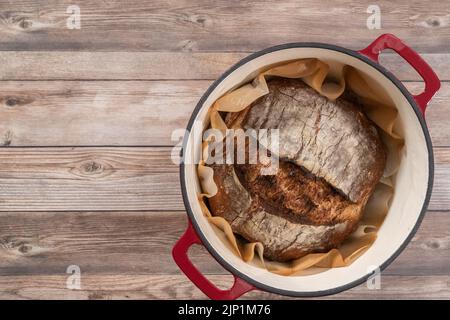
[(405, 209)]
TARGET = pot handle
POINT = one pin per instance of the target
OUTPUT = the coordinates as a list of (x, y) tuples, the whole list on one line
[(389, 41), (181, 258)]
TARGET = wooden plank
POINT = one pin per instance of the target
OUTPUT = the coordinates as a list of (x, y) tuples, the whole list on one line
[(436, 114), (98, 242), (92, 179), (127, 287), (440, 199), (221, 25), (72, 113), (46, 243), (125, 113), (88, 179), (60, 65), (23, 65)]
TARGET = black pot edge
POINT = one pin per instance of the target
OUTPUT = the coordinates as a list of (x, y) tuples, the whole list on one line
[(419, 115)]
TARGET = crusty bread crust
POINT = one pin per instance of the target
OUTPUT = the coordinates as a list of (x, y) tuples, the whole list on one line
[(333, 140), (331, 159)]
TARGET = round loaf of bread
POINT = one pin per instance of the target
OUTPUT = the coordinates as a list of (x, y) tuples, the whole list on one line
[(331, 158)]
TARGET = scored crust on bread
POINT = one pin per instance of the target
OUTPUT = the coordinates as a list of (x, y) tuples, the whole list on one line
[(332, 139), (290, 213), (331, 158)]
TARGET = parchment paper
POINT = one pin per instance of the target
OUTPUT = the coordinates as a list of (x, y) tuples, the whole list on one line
[(376, 105)]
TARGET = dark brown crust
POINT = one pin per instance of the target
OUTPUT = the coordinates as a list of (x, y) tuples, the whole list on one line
[(295, 212), (292, 201), (332, 140), (294, 194)]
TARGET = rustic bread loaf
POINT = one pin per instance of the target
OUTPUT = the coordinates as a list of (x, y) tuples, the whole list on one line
[(331, 159)]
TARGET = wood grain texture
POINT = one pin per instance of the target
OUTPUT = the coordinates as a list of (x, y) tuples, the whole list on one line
[(219, 26), (88, 65), (118, 286), (60, 179), (73, 113), (104, 179), (54, 65), (140, 243), (128, 113)]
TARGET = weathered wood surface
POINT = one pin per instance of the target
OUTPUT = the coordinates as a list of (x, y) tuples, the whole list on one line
[(127, 113), (73, 113), (217, 26), (68, 179), (110, 179), (119, 86), (120, 286), (88, 65), (139, 243)]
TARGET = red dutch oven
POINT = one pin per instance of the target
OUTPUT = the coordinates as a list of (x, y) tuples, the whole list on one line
[(414, 178)]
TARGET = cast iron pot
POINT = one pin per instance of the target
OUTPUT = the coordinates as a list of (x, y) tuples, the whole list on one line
[(414, 179)]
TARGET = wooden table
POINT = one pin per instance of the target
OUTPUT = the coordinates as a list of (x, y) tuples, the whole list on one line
[(86, 117)]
